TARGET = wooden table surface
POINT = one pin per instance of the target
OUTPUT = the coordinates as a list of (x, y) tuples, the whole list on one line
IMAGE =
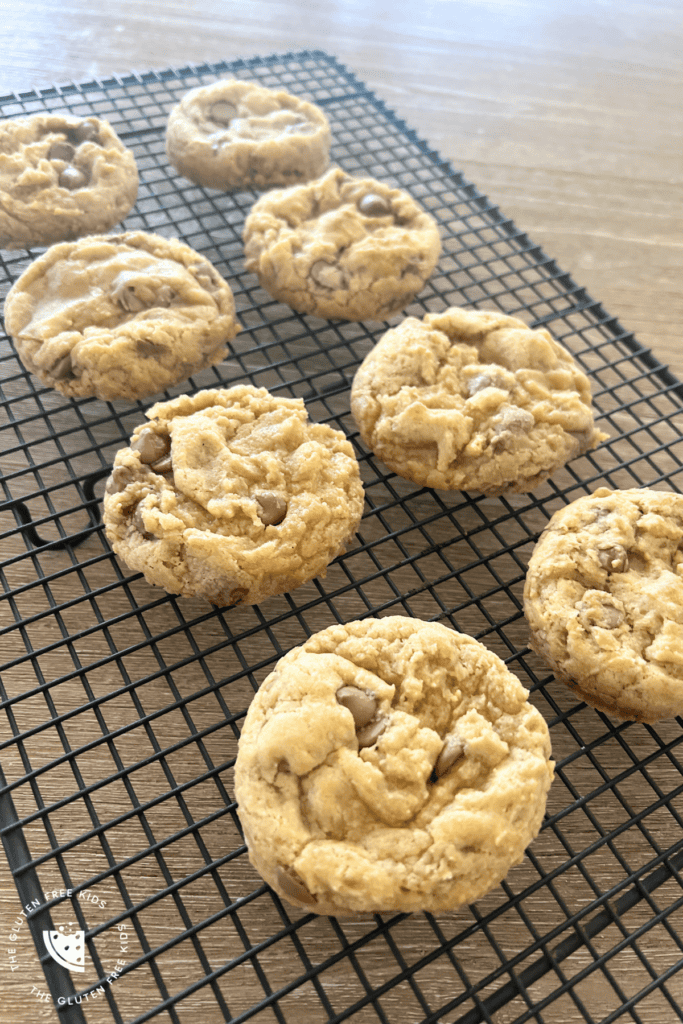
[(568, 116)]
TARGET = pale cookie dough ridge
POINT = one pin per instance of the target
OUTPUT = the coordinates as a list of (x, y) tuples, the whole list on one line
[(390, 765), (604, 601)]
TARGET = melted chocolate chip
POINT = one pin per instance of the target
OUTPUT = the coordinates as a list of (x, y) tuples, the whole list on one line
[(150, 350), (222, 112), (272, 509), (361, 704), (292, 886), (372, 205), (72, 178), (86, 131), (63, 369), (613, 559), (151, 446), (61, 151), (370, 733), (163, 466)]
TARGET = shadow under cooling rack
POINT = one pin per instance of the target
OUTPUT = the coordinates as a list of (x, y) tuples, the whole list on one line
[(121, 705)]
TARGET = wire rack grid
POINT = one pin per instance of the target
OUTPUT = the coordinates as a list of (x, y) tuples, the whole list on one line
[(121, 705)]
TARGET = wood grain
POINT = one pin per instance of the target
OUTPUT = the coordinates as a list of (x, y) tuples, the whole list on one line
[(568, 116)]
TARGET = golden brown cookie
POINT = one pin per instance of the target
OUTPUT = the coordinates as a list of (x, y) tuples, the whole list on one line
[(119, 316), (233, 134), (473, 400), (62, 177), (604, 601), (232, 495), (390, 765), (341, 247)]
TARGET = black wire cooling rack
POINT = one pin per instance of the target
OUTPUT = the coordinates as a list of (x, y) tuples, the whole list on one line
[(121, 705)]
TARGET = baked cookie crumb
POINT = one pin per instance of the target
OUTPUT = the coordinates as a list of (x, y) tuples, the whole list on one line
[(604, 601), (390, 765), (341, 247), (62, 177), (120, 316), (232, 495), (473, 400), (239, 135)]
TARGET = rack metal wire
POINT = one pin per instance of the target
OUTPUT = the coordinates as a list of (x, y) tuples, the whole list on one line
[(121, 705)]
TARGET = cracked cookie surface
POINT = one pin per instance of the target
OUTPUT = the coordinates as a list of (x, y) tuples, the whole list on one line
[(60, 178), (341, 247), (231, 494), (233, 134), (119, 316), (604, 601), (473, 400), (390, 765)]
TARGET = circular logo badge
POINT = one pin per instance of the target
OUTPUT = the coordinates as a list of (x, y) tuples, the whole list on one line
[(55, 933)]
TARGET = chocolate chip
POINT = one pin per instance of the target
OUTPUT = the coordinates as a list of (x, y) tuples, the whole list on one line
[(613, 559), (604, 615), (86, 131), (118, 480), (372, 205), (292, 886), (451, 752), (61, 151), (72, 178), (151, 446), (612, 617), (150, 349), (370, 733), (163, 466), (272, 508), (222, 112), (361, 704), (63, 368)]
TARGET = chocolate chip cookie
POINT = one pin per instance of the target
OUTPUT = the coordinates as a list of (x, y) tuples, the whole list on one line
[(232, 495), (119, 316), (473, 400), (239, 135), (341, 247), (62, 177), (604, 601), (390, 765)]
